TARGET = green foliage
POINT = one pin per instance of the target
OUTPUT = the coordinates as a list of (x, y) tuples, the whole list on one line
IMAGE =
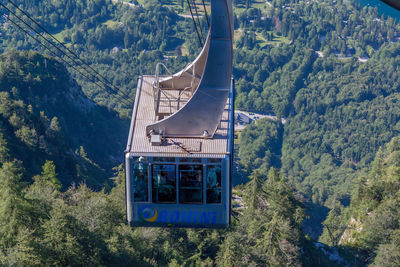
[(260, 145), (4, 151), (269, 231), (13, 207), (46, 227), (387, 255), (49, 176), (29, 134), (338, 111), (334, 226), (326, 100), (128, 47), (42, 226), (374, 205)]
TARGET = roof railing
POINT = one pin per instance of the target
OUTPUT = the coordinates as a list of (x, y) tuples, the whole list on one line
[(159, 90)]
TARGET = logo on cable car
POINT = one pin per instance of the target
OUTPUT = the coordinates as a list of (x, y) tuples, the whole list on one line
[(150, 214)]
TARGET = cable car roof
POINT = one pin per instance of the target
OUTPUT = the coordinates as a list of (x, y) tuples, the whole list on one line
[(144, 113)]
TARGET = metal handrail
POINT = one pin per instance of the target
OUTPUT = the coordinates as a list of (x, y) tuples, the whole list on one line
[(180, 94), (184, 69), (157, 89), (157, 74)]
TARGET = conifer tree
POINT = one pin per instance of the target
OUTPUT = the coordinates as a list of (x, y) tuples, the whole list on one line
[(14, 208)]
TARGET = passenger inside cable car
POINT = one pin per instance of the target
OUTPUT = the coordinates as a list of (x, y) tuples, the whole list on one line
[(213, 184), (190, 183), (140, 179), (164, 183)]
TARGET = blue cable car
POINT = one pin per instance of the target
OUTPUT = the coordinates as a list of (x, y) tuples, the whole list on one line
[(178, 159), (393, 3)]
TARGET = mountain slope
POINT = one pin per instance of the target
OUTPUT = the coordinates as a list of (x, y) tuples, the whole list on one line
[(45, 115), (371, 223)]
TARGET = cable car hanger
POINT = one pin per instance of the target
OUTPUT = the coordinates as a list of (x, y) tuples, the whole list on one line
[(208, 78)]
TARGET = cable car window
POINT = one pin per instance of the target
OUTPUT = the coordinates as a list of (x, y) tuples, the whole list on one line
[(162, 159), (190, 183), (140, 179), (164, 183), (190, 160), (213, 180), (214, 161)]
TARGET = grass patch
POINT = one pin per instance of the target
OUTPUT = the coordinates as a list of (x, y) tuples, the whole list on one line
[(185, 10), (343, 58), (112, 24), (259, 4), (169, 54), (261, 41), (237, 35), (236, 136), (277, 39), (199, 7), (184, 50), (141, 2), (61, 35)]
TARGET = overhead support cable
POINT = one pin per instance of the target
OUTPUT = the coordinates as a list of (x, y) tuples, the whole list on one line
[(194, 22), (205, 12), (198, 20), (42, 44), (102, 85), (59, 42), (96, 75), (57, 56)]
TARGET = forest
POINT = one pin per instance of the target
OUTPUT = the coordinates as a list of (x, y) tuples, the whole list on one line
[(322, 187)]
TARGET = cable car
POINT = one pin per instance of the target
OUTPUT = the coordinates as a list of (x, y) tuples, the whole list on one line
[(392, 3), (178, 159)]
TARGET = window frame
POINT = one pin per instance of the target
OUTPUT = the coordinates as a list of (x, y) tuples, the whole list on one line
[(152, 184), (203, 165), (201, 187), (133, 162), (220, 187)]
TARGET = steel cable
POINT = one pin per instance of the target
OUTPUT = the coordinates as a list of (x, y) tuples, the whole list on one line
[(55, 54)]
